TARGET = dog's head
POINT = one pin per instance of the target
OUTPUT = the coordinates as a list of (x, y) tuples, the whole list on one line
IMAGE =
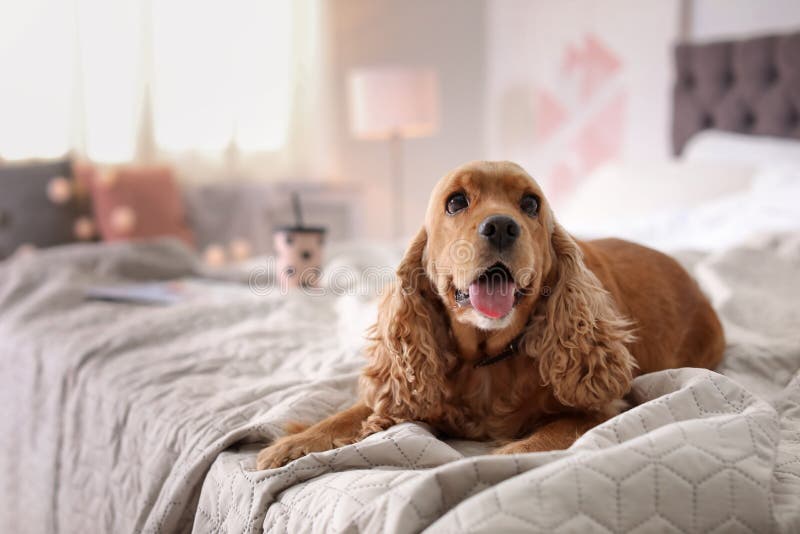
[(488, 228), (491, 258)]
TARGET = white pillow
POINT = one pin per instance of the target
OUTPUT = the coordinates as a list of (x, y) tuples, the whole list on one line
[(714, 146), (621, 192)]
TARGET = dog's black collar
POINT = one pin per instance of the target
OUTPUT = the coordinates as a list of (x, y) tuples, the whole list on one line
[(509, 351)]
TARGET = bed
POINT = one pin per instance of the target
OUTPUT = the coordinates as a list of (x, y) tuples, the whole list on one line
[(124, 418)]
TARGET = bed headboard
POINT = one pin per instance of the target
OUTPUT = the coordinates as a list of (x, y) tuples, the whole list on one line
[(749, 86)]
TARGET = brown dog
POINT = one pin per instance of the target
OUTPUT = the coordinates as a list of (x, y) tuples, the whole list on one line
[(503, 327)]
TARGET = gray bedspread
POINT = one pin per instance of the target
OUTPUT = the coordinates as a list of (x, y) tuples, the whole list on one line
[(123, 418)]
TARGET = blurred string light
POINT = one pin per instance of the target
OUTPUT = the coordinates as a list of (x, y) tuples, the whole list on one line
[(102, 75)]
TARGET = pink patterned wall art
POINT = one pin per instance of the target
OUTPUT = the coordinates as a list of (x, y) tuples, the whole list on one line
[(580, 114)]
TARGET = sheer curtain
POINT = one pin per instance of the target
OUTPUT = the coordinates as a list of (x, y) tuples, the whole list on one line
[(220, 87), (38, 64)]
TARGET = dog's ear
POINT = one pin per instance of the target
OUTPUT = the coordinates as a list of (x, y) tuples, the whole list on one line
[(580, 338), (408, 356)]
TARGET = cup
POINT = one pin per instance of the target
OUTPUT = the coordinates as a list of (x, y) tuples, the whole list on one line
[(299, 255)]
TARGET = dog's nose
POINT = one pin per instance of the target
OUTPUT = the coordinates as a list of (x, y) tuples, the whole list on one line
[(499, 230)]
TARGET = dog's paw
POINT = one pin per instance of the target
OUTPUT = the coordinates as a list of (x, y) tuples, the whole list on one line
[(522, 446), (289, 448)]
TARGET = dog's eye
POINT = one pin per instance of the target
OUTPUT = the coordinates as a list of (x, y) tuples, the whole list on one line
[(530, 205), (456, 202)]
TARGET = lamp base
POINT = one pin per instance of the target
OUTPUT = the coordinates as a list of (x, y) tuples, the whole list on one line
[(396, 186)]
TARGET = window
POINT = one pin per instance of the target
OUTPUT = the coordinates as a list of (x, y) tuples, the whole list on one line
[(110, 78), (98, 75), (221, 74), (37, 87)]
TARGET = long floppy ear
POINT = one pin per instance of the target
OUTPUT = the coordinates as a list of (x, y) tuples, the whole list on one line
[(408, 357), (581, 338)]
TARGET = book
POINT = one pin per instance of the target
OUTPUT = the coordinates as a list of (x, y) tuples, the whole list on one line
[(168, 292)]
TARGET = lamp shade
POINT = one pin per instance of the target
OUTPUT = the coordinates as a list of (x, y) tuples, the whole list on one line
[(393, 101)]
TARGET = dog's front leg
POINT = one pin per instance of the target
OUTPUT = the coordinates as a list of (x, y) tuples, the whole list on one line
[(337, 430), (555, 435)]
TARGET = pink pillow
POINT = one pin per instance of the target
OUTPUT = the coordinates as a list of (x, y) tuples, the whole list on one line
[(133, 202)]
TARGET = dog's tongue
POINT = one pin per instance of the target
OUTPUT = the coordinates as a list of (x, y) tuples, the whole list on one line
[(493, 298)]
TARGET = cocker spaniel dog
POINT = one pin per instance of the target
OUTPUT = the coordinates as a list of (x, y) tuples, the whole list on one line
[(503, 327)]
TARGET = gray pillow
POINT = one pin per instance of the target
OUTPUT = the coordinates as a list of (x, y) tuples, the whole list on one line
[(28, 216)]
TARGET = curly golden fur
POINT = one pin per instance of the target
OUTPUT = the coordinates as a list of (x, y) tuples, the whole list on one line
[(581, 338), (588, 316)]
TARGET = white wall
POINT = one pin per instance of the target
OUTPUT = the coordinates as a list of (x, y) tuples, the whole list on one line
[(448, 35)]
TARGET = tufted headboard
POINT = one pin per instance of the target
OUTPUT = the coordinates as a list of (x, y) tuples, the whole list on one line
[(750, 86)]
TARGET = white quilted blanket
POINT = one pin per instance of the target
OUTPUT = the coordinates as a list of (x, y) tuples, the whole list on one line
[(118, 418)]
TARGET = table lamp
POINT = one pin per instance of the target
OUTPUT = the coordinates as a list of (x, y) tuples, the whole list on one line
[(392, 104)]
